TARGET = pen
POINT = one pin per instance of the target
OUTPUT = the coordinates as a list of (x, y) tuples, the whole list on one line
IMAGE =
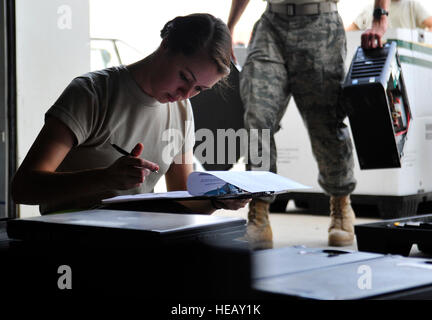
[(125, 153)]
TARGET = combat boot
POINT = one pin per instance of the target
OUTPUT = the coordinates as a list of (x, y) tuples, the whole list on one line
[(259, 233), (341, 230)]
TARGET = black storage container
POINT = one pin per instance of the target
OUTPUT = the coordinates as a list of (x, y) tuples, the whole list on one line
[(379, 111)]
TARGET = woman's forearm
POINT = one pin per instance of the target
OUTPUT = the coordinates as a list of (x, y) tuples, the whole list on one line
[(38, 187)]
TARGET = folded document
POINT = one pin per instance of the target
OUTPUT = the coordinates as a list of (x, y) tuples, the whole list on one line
[(222, 184)]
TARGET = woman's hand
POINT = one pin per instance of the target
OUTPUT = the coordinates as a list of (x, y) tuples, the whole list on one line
[(129, 171), (230, 204)]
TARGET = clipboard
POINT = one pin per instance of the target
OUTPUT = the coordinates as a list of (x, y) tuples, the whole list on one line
[(221, 185)]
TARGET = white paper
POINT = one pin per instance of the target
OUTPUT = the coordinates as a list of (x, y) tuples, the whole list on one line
[(147, 196), (251, 181), (200, 183)]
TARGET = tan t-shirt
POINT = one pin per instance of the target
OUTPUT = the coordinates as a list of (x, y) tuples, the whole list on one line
[(402, 14), (108, 106)]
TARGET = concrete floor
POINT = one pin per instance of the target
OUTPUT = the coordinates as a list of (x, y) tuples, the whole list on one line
[(295, 227)]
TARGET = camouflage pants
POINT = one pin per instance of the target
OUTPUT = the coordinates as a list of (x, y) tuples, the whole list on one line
[(303, 57)]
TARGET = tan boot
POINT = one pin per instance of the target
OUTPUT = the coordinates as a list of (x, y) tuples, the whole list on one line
[(259, 233), (341, 230)]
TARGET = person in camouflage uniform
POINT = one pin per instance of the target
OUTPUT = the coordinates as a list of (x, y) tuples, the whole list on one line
[(298, 50)]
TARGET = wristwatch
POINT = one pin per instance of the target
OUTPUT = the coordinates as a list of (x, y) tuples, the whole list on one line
[(378, 12)]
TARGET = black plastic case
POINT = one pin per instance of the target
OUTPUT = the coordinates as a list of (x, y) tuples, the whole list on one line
[(386, 237), (379, 111)]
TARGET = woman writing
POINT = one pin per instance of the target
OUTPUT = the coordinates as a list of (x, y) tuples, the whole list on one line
[(72, 163)]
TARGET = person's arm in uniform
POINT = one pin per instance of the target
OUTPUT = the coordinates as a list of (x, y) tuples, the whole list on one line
[(236, 11), (352, 27), (362, 20), (372, 38), (427, 23), (423, 16)]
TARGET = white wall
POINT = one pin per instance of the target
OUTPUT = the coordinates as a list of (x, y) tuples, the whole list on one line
[(138, 22), (52, 39)]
